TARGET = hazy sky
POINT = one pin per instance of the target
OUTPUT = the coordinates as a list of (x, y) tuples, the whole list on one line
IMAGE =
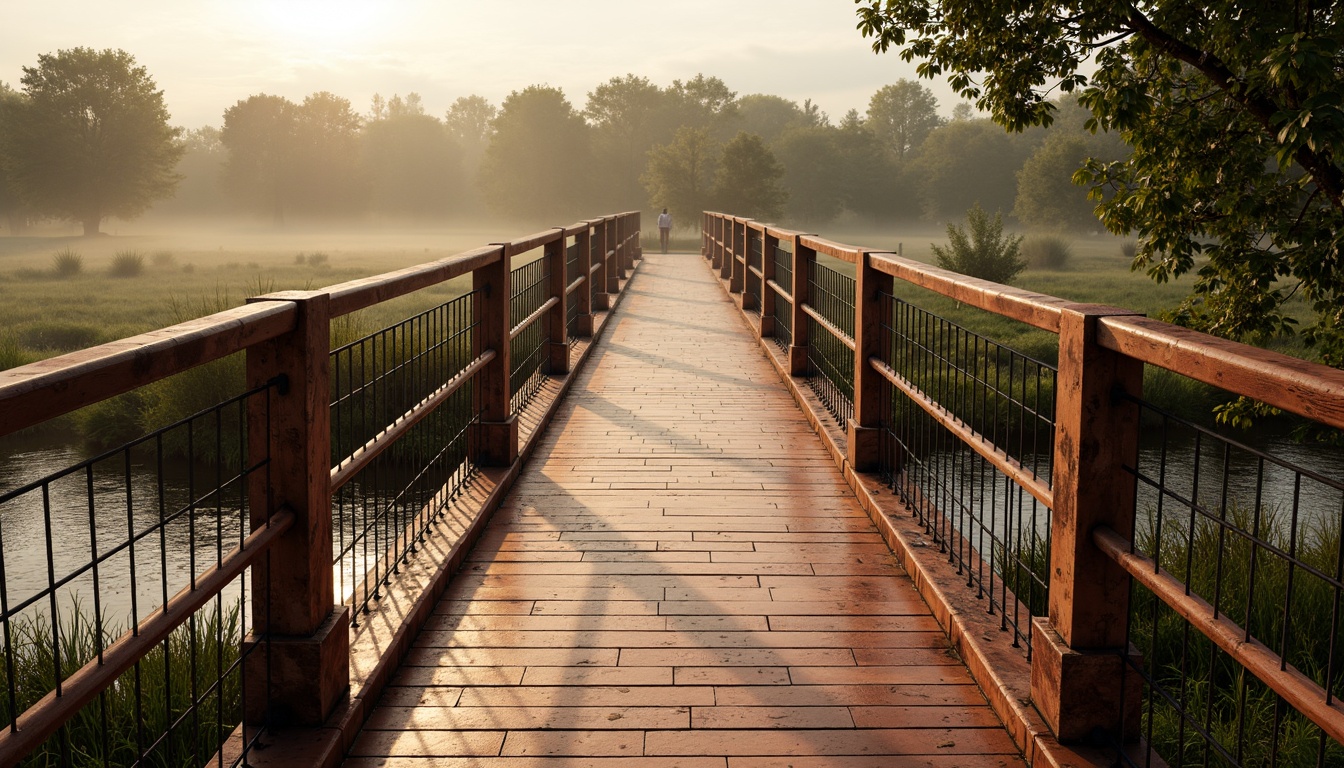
[(208, 54)]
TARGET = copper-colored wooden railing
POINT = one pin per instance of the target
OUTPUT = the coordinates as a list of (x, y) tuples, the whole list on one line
[(286, 334), (1101, 349)]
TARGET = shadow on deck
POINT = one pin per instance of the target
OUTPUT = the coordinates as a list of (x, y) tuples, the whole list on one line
[(681, 577)]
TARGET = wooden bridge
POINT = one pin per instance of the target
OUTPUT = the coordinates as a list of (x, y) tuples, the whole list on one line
[(745, 507)]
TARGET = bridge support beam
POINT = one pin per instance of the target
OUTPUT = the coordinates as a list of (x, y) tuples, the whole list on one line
[(1078, 681), (297, 663)]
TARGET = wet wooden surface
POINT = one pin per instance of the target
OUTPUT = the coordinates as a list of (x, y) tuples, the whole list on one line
[(681, 578)]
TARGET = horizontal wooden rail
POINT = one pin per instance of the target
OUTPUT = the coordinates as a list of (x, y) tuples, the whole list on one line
[(1006, 464), (350, 466), (574, 286), (34, 393), (834, 330), (1298, 386), (1300, 691), (594, 268), (1035, 309), (365, 292), (41, 720), (847, 253), (517, 330), (532, 241), (779, 289)]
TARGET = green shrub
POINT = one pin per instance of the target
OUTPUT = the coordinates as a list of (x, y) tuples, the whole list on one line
[(1128, 249), (986, 252), (1047, 251), (67, 263), (127, 264), (317, 259), (163, 259), (59, 335)]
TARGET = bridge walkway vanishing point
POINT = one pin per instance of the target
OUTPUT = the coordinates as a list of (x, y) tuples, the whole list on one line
[(681, 577)]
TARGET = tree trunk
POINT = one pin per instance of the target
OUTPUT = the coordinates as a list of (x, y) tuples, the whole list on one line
[(91, 224)]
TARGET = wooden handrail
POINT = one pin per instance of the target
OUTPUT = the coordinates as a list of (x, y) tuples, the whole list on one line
[(41, 720), (358, 294), (34, 393), (1035, 309), (1298, 386), (1300, 691), (779, 289), (574, 286)]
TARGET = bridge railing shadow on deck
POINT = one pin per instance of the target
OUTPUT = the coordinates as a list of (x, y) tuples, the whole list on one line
[(263, 551), (1162, 590)]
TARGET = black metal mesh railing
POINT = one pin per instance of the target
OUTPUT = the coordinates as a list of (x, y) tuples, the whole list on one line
[(1254, 532), (391, 377), (572, 270), (528, 349), (830, 360), (992, 529), (783, 302), (91, 548), (751, 284)]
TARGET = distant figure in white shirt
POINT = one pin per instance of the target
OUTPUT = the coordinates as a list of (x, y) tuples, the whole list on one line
[(664, 228)]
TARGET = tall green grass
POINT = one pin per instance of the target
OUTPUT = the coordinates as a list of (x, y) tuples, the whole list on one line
[(190, 679), (1259, 591)]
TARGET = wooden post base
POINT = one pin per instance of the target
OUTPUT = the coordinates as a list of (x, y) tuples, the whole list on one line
[(862, 447), (585, 324), (307, 675), (1084, 696), (498, 443), (797, 359)]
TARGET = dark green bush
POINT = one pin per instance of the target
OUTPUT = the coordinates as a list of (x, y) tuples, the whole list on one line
[(985, 252)]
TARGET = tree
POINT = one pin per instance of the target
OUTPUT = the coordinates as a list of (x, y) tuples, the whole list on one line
[(902, 115), (625, 115), (202, 167), (468, 121), (703, 102), (812, 174), (986, 253), (260, 135), (536, 165), (1234, 113), (413, 164), (12, 206), (91, 139), (747, 182), (330, 176), (1046, 194), (967, 162), (768, 116), (872, 185), (681, 172)]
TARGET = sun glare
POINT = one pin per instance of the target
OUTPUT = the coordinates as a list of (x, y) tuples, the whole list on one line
[(313, 22)]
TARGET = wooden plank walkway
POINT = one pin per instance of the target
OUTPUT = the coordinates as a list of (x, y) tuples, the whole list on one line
[(681, 578)]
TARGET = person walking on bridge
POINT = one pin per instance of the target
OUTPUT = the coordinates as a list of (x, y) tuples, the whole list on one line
[(664, 229)]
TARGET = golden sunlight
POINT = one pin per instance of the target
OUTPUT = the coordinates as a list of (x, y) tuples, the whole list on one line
[(320, 21)]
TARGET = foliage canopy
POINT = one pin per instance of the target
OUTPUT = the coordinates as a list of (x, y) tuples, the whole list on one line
[(90, 139), (1235, 115)]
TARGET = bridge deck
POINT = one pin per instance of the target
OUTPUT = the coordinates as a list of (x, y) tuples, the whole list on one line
[(681, 578)]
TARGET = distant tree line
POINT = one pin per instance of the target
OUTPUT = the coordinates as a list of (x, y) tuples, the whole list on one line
[(691, 145)]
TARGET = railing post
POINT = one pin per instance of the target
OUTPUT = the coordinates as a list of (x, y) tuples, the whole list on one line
[(704, 234), (730, 251), (802, 259), (869, 286), (557, 324), (497, 444), (1078, 674), (609, 257), (583, 241), (624, 230), (593, 235), (637, 218), (298, 654), (769, 243)]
